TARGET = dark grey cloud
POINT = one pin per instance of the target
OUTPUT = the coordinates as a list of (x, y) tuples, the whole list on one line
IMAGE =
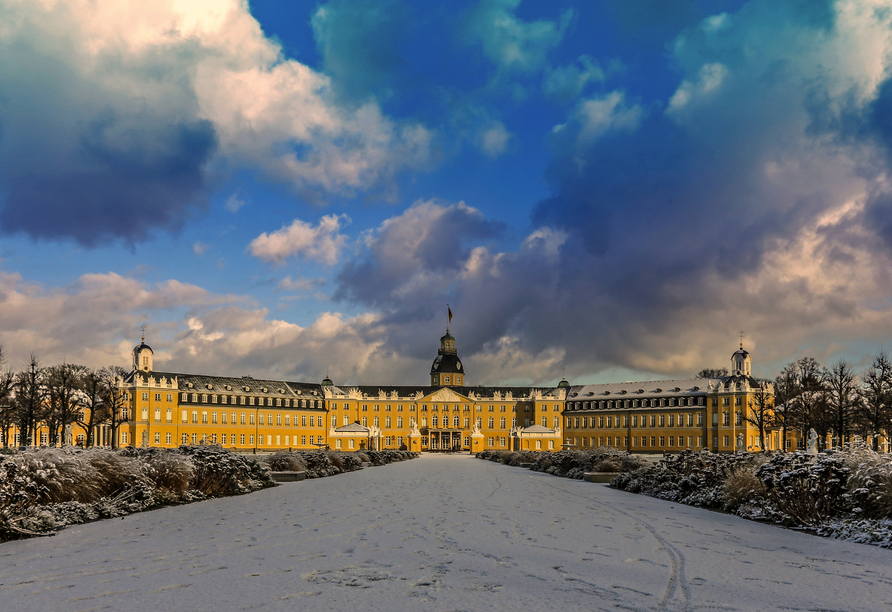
[(412, 254), (116, 190)]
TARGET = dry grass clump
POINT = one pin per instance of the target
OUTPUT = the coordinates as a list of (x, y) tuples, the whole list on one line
[(286, 461), (336, 460), (518, 457), (870, 481), (170, 471), (742, 488), (73, 475)]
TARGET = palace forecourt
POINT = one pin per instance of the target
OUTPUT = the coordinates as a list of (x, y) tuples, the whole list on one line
[(441, 532)]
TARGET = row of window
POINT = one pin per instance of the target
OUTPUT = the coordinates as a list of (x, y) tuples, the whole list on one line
[(232, 440), (434, 408), (646, 441), (636, 403), (656, 420), (376, 421), (202, 398), (227, 418), (145, 396), (503, 442)]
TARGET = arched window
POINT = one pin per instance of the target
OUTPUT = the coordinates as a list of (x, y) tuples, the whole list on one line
[(445, 379), (435, 421)]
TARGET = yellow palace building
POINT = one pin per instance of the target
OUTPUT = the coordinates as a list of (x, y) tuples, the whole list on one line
[(249, 414)]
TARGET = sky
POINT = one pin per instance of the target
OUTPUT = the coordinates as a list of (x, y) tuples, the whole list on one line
[(598, 190)]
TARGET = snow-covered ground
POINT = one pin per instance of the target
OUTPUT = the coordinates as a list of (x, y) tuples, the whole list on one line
[(440, 533)]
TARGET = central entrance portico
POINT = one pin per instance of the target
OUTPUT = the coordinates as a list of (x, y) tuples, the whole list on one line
[(446, 440), (446, 420)]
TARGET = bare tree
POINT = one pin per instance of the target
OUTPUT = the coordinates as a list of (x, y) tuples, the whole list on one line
[(760, 410), (841, 389), (92, 405), (63, 383), (30, 401), (808, 410), (113, 408), (712, 373), (875, 407), (786, 388), (7, 378)]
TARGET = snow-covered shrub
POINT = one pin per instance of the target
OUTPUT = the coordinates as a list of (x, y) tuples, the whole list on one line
[(568, 463), (349, 461), (696, 478), (285, 461), (321, 463), (219, 472), (45, 489), (807, 489), (516, 458), (72, 474), (171, 472), (877, 532), (383, 457), (870, 481), (744, 490), (19, 498)]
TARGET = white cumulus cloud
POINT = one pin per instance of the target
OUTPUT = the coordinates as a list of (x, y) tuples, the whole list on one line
[(321, 242)]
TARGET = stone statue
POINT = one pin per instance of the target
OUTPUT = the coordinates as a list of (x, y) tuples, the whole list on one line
[(812, 442), (414, 431), (741, 448)]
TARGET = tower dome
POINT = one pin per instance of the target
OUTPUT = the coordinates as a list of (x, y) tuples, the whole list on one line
[(741, 362), (447, 370), (143, 357)]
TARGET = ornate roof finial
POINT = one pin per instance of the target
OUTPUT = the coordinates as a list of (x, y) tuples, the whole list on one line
[(741, 339), (143, 328)]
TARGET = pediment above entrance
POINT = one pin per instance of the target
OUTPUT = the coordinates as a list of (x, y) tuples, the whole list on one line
[(444, 395)]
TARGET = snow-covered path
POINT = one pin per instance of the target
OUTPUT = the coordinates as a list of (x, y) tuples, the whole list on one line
[(439, 533)]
